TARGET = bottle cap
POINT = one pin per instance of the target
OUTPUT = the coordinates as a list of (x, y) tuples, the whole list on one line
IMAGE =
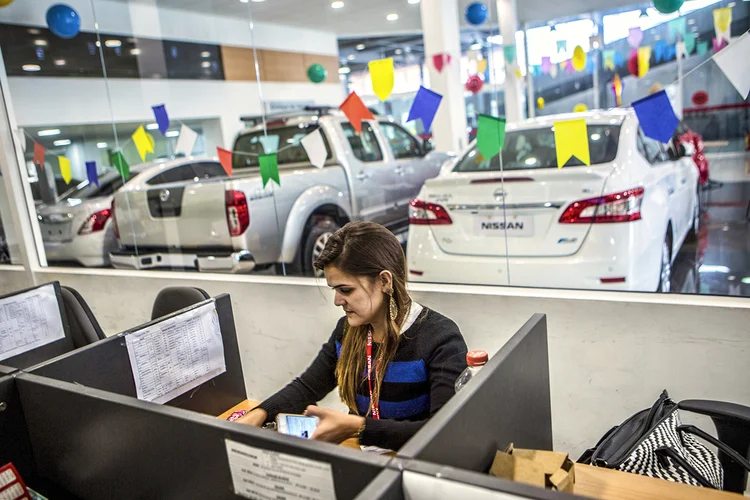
[(476, 358)]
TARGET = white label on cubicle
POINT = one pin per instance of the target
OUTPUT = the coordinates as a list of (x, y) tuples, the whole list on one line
[(176, 355), (419, 486), (268, 475), (29, 320)]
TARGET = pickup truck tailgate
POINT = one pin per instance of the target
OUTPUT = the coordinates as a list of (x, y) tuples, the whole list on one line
[(185, 216)]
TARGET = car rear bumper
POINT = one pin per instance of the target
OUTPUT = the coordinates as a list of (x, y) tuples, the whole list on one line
[(583, 270), (90, 250), (235, 262)]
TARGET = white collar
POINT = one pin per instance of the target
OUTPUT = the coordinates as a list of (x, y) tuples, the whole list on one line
[(414, 311)]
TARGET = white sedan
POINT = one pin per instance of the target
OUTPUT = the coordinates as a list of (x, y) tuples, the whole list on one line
[(615, 225)]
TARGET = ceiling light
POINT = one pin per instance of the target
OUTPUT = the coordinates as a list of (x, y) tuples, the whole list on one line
[(596, 137), (495, 39), (31, 67), (101, 145), (413, 2), (338, 4), (713, 269), (392, 17), (135, 52), (62, 142), (350, 57), (48, 132), (244, 1), (172, 133), (152, 126), (206, 64), (691, 21), (746, 280), (475, 46), (98, 44), (113, 44), (59, 62), (33, 31), (398, 52), (205, 54), (530, 161), (257, 1), (40, 43), (732, 5), (345, 70), (361, 46)]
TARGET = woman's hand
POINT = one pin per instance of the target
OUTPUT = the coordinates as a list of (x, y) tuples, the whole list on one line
[(334, 426), (256, 417)]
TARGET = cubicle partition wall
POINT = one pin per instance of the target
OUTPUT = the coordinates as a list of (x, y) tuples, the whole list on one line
[(6, 370), (508, 401), (14, 439), (35, 326), (106, 365)]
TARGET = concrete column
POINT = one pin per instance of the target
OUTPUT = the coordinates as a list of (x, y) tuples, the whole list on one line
[(440, 22), (508, 16)]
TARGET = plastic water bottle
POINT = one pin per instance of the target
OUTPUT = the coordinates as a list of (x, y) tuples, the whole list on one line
[(476, 360)]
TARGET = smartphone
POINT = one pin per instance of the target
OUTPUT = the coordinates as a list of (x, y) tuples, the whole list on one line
[(296, 425)]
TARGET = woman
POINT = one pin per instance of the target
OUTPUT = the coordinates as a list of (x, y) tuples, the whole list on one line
[(394, 361)]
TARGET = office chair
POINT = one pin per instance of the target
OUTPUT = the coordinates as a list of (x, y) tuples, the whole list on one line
[(84, 328), (732, 423), (174, 298)]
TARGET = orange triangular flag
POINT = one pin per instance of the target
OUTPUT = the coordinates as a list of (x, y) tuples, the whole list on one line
[(356, 111), (225, 158)]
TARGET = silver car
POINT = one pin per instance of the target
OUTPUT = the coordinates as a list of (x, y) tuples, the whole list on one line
[(78, 228)]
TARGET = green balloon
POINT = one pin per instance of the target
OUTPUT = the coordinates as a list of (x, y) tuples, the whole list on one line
[(668, 6), (316, 73)]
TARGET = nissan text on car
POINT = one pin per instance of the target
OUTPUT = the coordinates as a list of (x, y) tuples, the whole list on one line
[(614, 225)]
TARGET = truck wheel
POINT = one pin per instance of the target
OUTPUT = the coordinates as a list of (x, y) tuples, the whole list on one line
[(315, 242)]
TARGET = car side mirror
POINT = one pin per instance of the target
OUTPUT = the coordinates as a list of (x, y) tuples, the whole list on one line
[(427, 146)]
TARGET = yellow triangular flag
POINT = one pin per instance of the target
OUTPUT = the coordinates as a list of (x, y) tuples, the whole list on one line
[(143, 141), (644, 60), (65, 169), (482, 66), (383, 77), (572, 139), (722, 20)]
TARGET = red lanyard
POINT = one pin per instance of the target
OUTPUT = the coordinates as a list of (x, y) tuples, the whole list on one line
[(370, 375)]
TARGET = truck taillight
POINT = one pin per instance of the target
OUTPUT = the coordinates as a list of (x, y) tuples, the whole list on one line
[(615, 207), (422, 213), (95, 222), (238, 213)]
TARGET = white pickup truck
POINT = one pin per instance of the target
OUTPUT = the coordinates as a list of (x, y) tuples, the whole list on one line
[(236, 225)]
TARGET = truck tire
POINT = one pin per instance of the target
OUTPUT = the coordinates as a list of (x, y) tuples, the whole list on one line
[(314, 243)]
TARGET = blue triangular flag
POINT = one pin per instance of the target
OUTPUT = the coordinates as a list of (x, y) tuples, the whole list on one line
[(425, 105), (670, 53), (619, 60), (91, 173), (162, 118), (660, 49), (657, 117)]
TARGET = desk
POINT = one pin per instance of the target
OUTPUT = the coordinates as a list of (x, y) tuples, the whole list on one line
[(596, 482)]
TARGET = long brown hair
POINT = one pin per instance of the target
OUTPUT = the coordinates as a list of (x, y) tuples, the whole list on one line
[(365, 249)]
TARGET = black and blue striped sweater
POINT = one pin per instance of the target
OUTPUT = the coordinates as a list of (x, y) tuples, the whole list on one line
[(418, 382)]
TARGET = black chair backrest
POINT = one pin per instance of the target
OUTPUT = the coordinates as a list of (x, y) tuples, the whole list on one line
[(84, 328), (174, 298)]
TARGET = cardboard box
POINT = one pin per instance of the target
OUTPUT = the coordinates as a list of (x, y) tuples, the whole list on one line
[(546, 469)]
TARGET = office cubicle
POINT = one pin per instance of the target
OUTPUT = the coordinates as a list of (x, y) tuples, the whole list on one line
[(416, 480), (508, 401), (34, 326), (6, 370), (14, 440)]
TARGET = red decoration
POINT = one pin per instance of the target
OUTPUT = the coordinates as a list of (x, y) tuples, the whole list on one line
[(474, 84), (225, 158), (700, 98), (633, 65), (440, 61), (39, 155), (356, 111)]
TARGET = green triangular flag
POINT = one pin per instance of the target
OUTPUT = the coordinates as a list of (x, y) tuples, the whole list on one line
[(269, 168), (509, 52), (120, 164), (490, 135)]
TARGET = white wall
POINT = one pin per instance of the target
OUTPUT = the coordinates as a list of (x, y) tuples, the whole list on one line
[(610, 353), (40, 101)]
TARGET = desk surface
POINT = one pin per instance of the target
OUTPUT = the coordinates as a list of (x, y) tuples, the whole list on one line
[(595, 482)]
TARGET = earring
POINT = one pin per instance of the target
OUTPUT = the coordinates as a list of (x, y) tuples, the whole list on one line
[(393, 308)]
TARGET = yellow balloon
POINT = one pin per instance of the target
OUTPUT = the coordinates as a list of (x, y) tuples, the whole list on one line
[(580, 108), (579, 58), (5, 3), (540, 103)]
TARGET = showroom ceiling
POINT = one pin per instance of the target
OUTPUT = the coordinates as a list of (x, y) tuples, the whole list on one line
[(368, 17)]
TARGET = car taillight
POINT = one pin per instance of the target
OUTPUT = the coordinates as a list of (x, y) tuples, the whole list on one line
[(422, 213), (95, 222), (616, 207), (238, 213)]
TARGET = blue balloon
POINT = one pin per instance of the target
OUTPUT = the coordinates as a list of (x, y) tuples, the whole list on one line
[(476, 13), (63, 20)]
